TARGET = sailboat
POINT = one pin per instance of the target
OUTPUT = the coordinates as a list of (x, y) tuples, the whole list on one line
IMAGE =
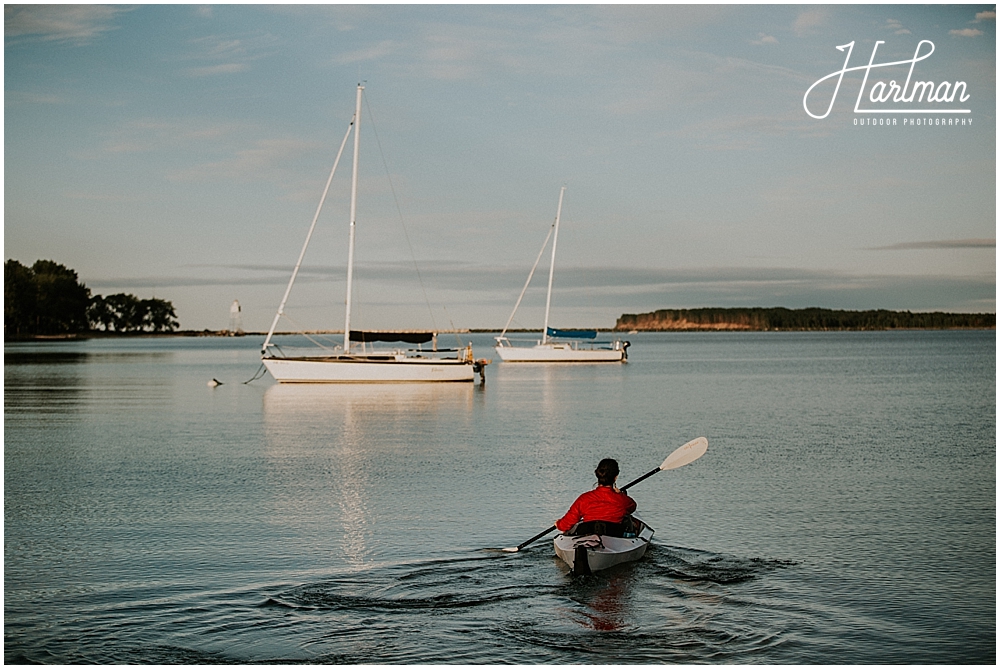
[(355, 361), (557, 345)]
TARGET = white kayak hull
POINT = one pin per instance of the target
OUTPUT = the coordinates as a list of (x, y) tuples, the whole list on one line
[(601, 551)]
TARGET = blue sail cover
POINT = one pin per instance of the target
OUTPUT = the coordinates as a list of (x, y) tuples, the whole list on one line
[(572, 334)]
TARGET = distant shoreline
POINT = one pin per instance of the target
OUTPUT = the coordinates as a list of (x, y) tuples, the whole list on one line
[(751, 319), (764, 319), (226, 335)]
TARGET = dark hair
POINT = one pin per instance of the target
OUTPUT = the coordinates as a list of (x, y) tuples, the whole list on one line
[(606, 471)]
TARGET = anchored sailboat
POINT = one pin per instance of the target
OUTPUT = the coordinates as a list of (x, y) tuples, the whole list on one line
[(344, 364), (557, 345)]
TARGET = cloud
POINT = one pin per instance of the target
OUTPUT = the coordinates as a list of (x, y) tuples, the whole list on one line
[(374, 52), (508, 280), (966, 32), (941, 244), (27, 98), (896, 27), (254, 164), (79, 24), (152, 134), (476, 53), (764, 39), (482, 296), (986, 16), (808, 20), (227, 55), (212, 70)]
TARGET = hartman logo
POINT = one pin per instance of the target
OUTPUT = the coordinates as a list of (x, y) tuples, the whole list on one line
[(909, 96)]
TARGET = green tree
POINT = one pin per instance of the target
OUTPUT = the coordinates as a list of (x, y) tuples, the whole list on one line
[(62, 299), (125, 313), (122, 312), (158, 315), (19, 299), (100, 314), (45, 299)]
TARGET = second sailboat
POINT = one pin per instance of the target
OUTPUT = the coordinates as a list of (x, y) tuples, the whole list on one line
[(557, 345)]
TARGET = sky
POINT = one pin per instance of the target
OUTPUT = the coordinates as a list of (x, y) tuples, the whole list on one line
[(180, 151)]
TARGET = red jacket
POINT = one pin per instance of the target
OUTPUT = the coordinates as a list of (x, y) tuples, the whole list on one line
[(602, 503)]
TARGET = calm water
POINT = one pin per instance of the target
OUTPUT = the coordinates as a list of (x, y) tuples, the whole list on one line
[(844, 513)]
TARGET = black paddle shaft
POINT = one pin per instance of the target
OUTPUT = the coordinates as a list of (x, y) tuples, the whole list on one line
[(641, 478), (623, 489), (535, 538)]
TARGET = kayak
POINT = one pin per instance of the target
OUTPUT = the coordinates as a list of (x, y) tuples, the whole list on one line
[(592, 552)]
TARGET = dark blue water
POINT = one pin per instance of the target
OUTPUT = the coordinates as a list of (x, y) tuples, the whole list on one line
[(844, 513)]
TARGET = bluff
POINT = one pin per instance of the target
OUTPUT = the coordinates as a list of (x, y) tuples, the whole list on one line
[(779, 318)]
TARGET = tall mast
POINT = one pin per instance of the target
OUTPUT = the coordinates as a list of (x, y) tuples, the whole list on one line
[(552, 267), (302, 254), (354, 210)]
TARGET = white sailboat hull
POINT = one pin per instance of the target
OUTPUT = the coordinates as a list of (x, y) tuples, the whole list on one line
[(558, 352), (369, 369)]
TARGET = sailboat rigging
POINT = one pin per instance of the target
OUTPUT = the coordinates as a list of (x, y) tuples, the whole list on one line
[(557, 345), (360, 364)]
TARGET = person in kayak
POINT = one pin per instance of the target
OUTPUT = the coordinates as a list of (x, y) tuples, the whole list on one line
[(604, 510)]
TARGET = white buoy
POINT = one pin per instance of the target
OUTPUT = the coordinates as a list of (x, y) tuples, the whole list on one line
[(214, 382)]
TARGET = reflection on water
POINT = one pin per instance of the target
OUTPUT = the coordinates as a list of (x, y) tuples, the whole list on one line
[(306, 400), (606, 607), (345, 432), (66, 382), (36, 357)]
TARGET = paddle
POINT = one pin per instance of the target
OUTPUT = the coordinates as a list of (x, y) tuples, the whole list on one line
[(684, 455)]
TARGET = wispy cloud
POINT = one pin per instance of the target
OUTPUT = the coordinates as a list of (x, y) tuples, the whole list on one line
[(152, 134), (808, 20), (749, 132), (78, 24), (975, 32), (127, 283), (896, 27), (940, 244), (610, 290), (764, 39), (474, 54), (212, 70), (374, 52), (227, 55), (28, 98), (255, 163)]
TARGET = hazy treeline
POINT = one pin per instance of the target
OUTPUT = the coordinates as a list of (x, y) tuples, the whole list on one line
[(48, 299), (778, 318)]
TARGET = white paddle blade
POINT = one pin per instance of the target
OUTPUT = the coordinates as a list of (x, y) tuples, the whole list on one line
[(686, 454), (509, 549)]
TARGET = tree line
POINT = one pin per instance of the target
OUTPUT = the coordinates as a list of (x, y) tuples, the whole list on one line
[(779, 318), (48, 299)]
